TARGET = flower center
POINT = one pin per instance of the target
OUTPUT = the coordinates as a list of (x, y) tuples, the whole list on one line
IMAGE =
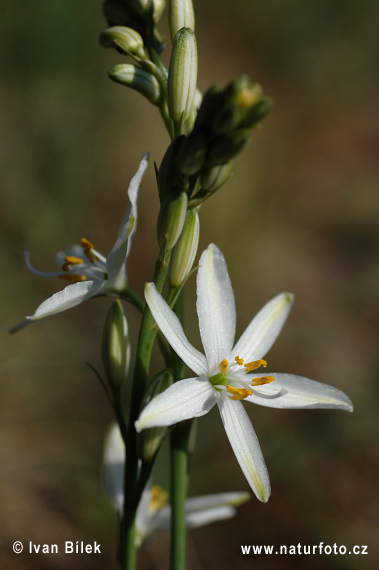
[(158, 498), (92, 270), (223, 378)]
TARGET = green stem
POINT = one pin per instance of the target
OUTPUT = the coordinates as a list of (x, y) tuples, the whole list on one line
[(180, 448), (179, 469), (127, 556)]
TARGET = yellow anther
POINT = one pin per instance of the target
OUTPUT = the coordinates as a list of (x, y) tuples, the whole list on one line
[(71, 260), (223, 366), (73, 278), (239, 360), (262, 380), (254, 365), (158, 498), (86, 244), (238, 393)]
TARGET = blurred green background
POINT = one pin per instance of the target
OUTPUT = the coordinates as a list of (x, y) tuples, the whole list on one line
[(299, 214)]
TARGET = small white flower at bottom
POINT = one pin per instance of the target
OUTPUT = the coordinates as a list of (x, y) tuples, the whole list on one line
[(153, 513)]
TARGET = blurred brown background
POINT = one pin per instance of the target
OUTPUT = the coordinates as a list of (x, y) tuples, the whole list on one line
[(300, 214)]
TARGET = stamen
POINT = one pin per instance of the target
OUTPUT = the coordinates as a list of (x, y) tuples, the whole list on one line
[(86, 244), (262, 380), (71, 260), (239, 360), (238, 393), (223, 366), (254, 365), (158, 498), (73, 278), (87, 248)]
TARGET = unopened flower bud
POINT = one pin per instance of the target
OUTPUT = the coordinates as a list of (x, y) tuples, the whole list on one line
[(211, 179), (115, 348), (182, 75), (149, 440), (226, 147), (171, 220), (184, 253), (256, 113), (181, 15), (138, 79), (122, 38)]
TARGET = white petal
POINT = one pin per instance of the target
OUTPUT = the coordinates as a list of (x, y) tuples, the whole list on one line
[(245, 446), (263, 330), (70, 296), (289, 391), (215, 307), (116, 261), (201, 518), (189, 398), (217, 500), (172, 329), (113, 467)]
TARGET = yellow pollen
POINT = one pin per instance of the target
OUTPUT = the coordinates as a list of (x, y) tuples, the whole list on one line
[(254, 365), (238, 393), (73, 278), (158, 498), (262, 380), (86, 244), (223, 366), (239, 360), (71, 260)]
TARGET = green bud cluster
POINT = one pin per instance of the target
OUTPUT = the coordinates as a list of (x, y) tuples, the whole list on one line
[(226, 118), (150, 440), (202, 160)]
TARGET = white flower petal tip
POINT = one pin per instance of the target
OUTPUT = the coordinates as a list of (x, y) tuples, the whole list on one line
[(70, 296), (215, 306), (295, 392), (246, 446), (186, 399)]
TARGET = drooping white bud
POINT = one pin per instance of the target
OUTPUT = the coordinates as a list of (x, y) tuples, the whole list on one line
[(126, 39), (138, 79), (182, 75)]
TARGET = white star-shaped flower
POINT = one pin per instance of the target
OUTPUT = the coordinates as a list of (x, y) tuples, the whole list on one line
[(153, 513), (90, 273), (224, 374)]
